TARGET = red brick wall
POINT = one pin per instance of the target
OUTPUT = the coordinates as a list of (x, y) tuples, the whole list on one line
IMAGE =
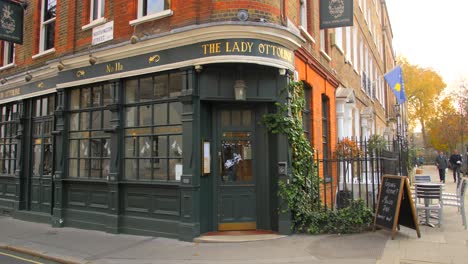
[(73, 15)]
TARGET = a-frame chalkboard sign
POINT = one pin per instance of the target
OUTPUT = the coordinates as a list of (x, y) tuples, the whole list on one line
[(395, 205)]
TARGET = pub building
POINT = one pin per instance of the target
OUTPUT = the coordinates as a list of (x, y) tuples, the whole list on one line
[(144, 117), (160, 138)]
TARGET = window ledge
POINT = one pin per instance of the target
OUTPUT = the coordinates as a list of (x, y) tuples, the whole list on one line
[(8, 66), (325, 55), (340, 49), (159, 15), (94, 23), (306, 34), (41, 54)]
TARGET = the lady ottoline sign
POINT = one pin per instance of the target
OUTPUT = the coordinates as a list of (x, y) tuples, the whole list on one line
[(11, 21), (336, 13)]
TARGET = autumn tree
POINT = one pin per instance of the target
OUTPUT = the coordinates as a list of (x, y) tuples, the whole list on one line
[(423, 87), (459, 96), (444, 127)]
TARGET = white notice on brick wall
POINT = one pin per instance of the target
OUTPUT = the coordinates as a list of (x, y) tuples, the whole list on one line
[(103, 33)]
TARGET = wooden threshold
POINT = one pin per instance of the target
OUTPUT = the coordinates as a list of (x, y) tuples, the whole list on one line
[(237, 226)]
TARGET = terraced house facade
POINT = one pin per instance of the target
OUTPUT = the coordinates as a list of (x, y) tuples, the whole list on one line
[(143, 116)]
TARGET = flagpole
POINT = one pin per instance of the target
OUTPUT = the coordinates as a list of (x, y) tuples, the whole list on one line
[(398, 135)]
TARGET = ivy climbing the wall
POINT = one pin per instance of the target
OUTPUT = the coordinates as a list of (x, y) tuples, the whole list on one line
[(301, 193), (298, 195)]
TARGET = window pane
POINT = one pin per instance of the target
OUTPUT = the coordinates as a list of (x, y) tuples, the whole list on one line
[(75, 99), (44, 106), (74, 148), (105, 167), (74, 121), (106, 149), (236, 118), (176, 146), (175, 111), (145, 147), (175, 166), (175, 80), (37, 108), (84, 145), (96, 120), (96, 147), (145, 115), (130, 169), (73, 168), (95, 168), (146, 89), (160, 114), (84, 120), (246, 118), (36, 160), (49, 35), (107, 94), (49, 9), (160, 146), (47, 163), (144, 170), (85, 97), (51, 105), (152, 6), (84, 168), (131, 89), (160, 86), (97, 94), (160, 169), (107, 119), (130, 116), (130, 146)]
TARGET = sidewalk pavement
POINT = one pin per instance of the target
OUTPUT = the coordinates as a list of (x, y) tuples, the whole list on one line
[(445, 244)]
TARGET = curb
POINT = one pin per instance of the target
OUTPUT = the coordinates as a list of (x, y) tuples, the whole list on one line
[(38, 254)]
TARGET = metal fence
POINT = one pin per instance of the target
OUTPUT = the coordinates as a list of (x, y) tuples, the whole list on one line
[(357, 175)]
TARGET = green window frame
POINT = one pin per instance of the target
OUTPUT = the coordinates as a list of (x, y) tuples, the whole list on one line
[(8, 142), (153, 127), (89, 145)]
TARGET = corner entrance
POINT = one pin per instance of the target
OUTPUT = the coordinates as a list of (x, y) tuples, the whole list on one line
[(236, 177)]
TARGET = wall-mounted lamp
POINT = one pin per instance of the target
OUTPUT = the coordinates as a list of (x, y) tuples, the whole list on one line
[(60, 66), (28, 77), (282, 71), (134, 39), (198, 68), (3, 80), (240, 90), (92, 59)]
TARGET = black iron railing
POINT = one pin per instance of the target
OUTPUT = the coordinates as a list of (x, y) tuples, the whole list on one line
[(355, 175)]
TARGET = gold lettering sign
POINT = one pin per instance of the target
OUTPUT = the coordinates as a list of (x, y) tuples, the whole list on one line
[(40, 85), (247, 47), (154, 59), (116, 67), (80, 73)]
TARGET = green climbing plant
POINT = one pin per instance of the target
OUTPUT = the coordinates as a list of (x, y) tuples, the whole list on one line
[(300, 195), (297, 195)]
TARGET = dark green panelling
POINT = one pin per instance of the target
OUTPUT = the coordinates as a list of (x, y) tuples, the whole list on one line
[(45, 218), (262, 172), (206, 181), (149, 226), (217, 82), (85, 219)]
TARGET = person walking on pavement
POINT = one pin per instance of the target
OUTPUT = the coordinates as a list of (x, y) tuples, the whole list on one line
[(442, 164), (455, 163)]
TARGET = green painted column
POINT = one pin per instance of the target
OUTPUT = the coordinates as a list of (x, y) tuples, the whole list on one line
[(60, 157), (20, 178), (113, 179), (189, 226)]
